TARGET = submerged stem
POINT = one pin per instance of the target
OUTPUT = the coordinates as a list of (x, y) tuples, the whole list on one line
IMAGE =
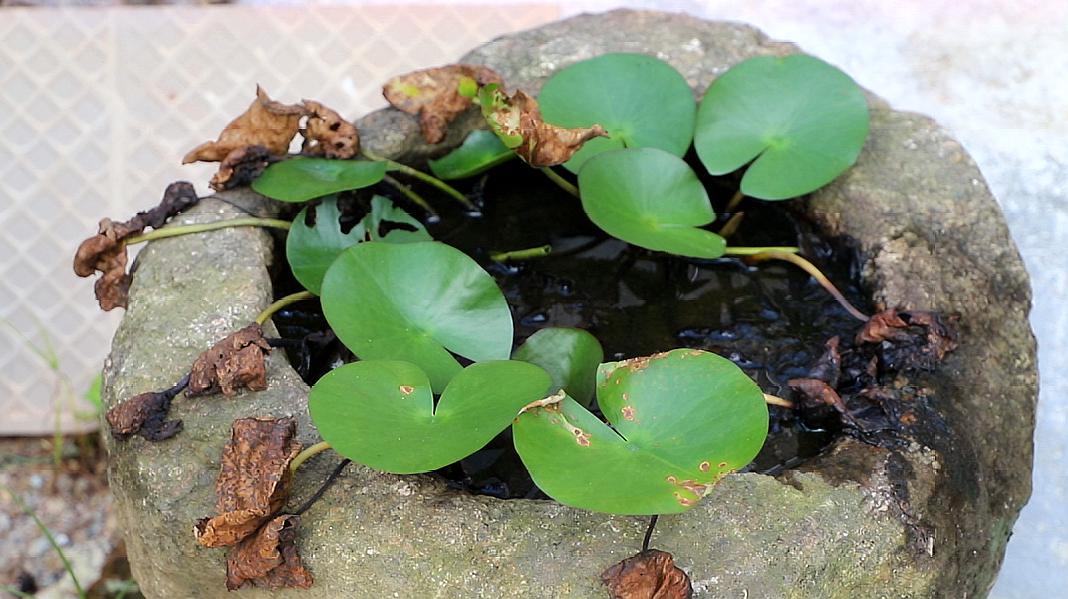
[(811, 269), (282, 303), (425, 178), (308, 453), (407, 192), (734, 201), (560, 181), (731, 225), (527, 254), (756, 251), (177, 230), (774, 400)]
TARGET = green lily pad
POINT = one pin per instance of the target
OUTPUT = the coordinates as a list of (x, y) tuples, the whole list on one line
[(302, 179), (680, 422), (382, 414), (650, 198), (801, 119), (570, 356), (310, 250), (640, 100), (416, 302), (481, 151)]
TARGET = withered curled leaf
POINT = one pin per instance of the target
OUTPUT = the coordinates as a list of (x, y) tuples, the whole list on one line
[(883, 325), (815, 392), (327, 134), (434, 95), (913, 339), (253, 481), (240, 167), (266, 123), (105, 252), (236, 362), (829, 367), (146, 415), (540, 144), (269, 558), (651, 574)]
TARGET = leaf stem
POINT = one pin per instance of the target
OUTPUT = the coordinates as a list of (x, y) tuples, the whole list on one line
[(734, 201), (202, 227), (649, 532), (322, 489), (777, 401), (560, 181), (308, 453), (282, 303), (407, 192), (526, 254), (731, 225), (425, 178), (755, 251), (811, 269)]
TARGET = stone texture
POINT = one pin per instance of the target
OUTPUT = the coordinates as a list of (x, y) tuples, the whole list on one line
[(927, 518)]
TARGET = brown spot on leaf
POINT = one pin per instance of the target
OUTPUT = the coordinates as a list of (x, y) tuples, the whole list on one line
[(268, 559), (407, 389), (146, 415), (704, 466), (105, 252), (236, 362), (628, 413), (327, 134), (722, 465), (543, 144), (651, 574), (253, 481), (433, 95), (582, 437)]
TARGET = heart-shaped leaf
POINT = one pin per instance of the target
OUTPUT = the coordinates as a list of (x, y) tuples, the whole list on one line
[(640, 100), (416, 302), (302, 179), (652, 199), (382, 414), (310, 250), (570, 356), (481, 151), (680, 421), (803, 120)]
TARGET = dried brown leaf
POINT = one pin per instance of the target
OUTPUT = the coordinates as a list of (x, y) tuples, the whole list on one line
[(240, 167), (266, 123), (651, 574), (433, 95), (236, 362), (883, 325), (941, 336), (829, 366), (815, 392), (268, 559), (253, 480), (145, 415), (327, 134), (543, 144), (105, 252)]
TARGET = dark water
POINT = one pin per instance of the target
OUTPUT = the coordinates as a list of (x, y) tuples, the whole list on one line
[(772, 320)]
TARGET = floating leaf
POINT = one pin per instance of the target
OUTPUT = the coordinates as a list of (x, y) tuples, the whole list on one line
[(311, 250), (570, 356), (382, 414), (640, 100), (303, 179), (518, 123), (418, 302), (801, 119), (680, 421), (481, 151), (652, 199)]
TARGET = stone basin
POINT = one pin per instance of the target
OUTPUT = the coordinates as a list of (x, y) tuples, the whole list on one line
[(926, 517)]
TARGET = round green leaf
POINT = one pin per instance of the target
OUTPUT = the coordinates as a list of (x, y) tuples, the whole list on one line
[(382, 414), (652, 199), (302, 179), (570, 356), (481, 151), (310, 250), (416, 302), (640, 100), (803, 120), (680, 422)]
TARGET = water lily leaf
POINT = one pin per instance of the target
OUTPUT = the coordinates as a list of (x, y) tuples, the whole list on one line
[(381, 413), (387, 222), (518, 123), (481, 151), (303, 179), (570, 356), (801, 119), (419, 302), (311, 249), (640, 100), (680, 421), (652, 199)]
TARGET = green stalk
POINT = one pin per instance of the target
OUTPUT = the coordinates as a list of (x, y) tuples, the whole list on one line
[(51, 541), (425, 178), (308, 453), (202, 227), (562, 182), (407, 192), (753, 251), (282, 303), (535, 252)]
